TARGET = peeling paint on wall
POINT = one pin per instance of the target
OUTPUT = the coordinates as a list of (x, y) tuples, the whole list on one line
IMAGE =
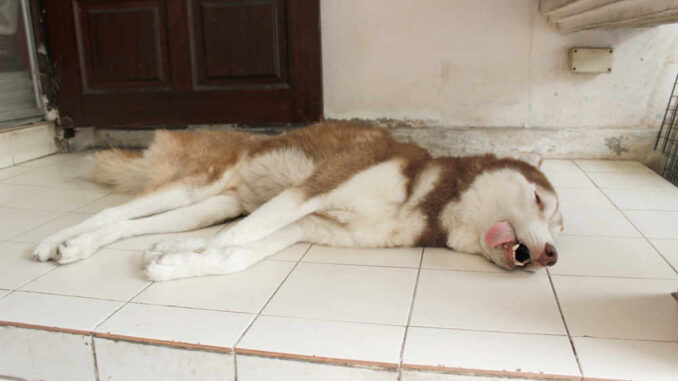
[(615, 145)]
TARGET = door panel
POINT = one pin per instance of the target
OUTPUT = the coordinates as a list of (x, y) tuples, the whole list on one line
[(172, 62), (133, 57), (239, 44)]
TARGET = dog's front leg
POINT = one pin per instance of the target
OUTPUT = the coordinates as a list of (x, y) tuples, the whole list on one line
[(282, 210), (224, 260), (205, 213), (156, 202)]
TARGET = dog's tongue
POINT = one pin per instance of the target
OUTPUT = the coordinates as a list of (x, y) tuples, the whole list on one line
[(499, 234)]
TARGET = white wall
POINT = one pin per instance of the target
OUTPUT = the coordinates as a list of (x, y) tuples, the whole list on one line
[(486, 63)]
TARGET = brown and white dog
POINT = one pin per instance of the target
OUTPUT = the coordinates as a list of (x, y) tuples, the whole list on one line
[(339, 185)]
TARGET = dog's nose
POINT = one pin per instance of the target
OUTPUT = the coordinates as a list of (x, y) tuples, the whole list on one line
[(550, 255)]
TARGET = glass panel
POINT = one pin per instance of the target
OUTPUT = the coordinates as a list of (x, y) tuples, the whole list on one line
[(17, 94)]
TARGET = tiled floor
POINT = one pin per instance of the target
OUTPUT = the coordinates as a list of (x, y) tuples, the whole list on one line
[(318, 313)]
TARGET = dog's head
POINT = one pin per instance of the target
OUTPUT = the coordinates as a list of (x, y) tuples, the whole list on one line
[(517, 215)]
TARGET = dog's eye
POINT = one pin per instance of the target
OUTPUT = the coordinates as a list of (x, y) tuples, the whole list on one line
[(537, 199)]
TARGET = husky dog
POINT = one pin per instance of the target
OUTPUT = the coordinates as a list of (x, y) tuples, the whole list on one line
[(338, 185)]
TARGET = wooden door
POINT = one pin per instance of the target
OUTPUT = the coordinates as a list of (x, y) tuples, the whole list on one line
[(174, 62)]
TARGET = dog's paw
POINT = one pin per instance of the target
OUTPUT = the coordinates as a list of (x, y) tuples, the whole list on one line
[(150, 255), (76, 249), (170, 266), (45, 251)]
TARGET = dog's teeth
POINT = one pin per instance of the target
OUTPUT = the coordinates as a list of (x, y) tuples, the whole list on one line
[(515, 247)]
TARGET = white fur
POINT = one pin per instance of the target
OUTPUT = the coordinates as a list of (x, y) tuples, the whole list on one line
[(213, 261), (202, 214), (371, 210), (175, 197)]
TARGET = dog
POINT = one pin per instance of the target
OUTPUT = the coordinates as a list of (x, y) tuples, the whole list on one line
[(330, 184)]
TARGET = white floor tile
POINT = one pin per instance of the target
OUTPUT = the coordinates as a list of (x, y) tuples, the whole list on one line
[(32, 354), (58, 199), (397, 257), (669, 249), (9, 172), (655, 224), (627, 359), (176, 324), (292, 253), (12, 192), (647, 199), (569, 179), (120, 360), (252, 368), (641, 309), (4, 292), (246, 291), (648, 180), (609, 256), (445, 259), (105, 202), (6, 158), (556, 165), (336, 340), (16, 221), (107, 274), (62, 174), (597, 222), (347, 293), (508, 302), (583, 198), (43, 231), (620, 166), (516, 353), (56, 311), (50, 160), (17, 265), (144, 242)]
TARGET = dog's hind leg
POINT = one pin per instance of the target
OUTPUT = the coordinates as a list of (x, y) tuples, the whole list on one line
[(224, 260), (204, 213), (282, 210), (173, 197)]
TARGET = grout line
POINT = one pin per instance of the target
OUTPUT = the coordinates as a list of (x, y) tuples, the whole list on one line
[(357, 264), (256, 316), (650, 241), (235, 366), (409, 318), (119, 308), (631, 222), (567, 329), (96, 363), (33, 280), (612, 277), (662, 255), (61, 214)]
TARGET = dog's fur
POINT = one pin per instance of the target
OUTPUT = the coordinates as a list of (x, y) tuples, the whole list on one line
[(339, 185)]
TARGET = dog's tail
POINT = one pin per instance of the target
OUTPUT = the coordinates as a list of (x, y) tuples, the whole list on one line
[(126, 171)]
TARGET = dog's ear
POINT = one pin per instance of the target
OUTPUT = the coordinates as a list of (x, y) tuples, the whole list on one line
[(532, 158)]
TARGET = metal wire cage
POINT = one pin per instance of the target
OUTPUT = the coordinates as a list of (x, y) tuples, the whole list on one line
[(667, 140)]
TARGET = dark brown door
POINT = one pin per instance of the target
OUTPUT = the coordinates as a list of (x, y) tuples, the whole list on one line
[(173, 62)]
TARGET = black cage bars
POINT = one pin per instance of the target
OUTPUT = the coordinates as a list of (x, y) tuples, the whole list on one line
[(667, 140)]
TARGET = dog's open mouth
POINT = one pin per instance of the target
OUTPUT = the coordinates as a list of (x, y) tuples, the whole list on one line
[(521, 254), (501, 235)]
